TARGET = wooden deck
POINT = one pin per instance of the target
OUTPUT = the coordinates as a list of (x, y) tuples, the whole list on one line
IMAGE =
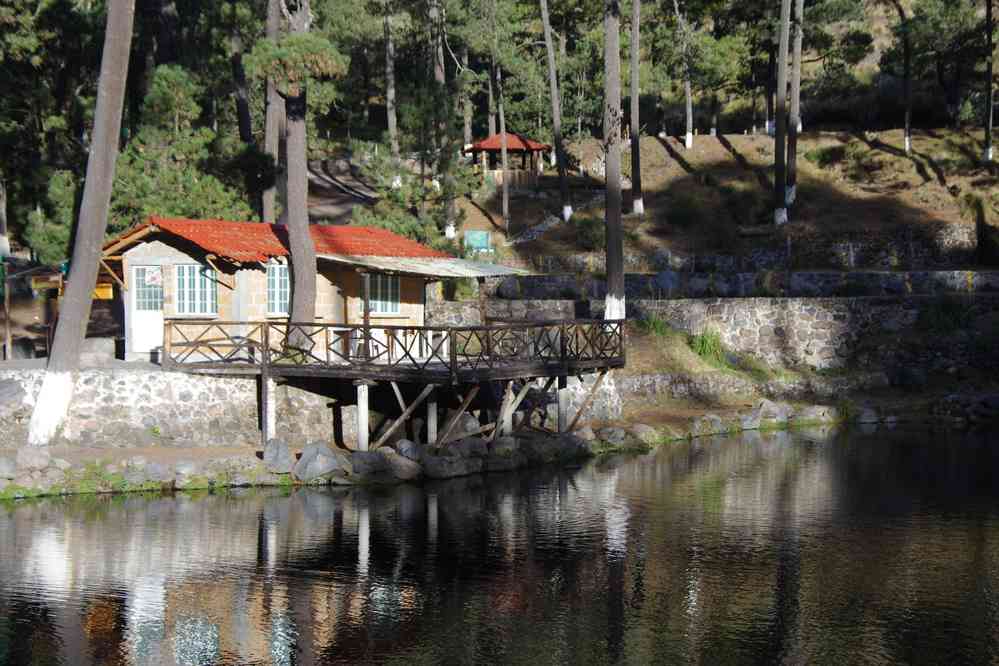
[(425, 354)]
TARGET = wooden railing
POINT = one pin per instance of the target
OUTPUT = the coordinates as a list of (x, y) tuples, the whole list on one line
[(454, 350)]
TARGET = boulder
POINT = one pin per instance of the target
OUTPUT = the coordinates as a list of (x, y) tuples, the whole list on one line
[(8, 468), (773, 413), (278, 459), (466, 425), (158, 472), (750, 421), (12, 396), (136, 476), (470, 447), (187, 468), (399, 466), (709, 424), (586, 433), (540, 450), (817, 414), (613, 436), (503, 446), (368, 464), (447, 467), (317, 461), (32, 458), (61, 464), (504, 462), (408, 449), (644, 433), (572, 447)]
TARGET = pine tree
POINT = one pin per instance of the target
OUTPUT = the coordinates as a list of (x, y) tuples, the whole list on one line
[(637, 204), (556, 102), (780, 111), (614, 307), (56, 393)]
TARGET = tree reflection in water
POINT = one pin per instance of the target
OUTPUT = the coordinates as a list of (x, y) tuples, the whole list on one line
[(813, 547)]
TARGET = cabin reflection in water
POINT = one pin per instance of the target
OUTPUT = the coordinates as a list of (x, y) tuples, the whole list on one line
[(716, 551)]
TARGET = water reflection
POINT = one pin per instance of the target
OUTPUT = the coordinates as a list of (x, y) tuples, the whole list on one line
[(814, 547)]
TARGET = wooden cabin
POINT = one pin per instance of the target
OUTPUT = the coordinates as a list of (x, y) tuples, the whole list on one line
[(239, 272)]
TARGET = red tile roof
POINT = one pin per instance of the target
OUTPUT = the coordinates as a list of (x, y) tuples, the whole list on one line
[(514, 143), (255, 241)]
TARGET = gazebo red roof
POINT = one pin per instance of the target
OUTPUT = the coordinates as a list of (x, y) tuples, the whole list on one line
[(258, 242), (515, 143)]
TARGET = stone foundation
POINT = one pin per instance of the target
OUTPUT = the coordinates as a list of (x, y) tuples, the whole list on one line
[(148, 407)]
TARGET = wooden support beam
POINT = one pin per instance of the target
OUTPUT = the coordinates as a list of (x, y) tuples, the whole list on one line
[(366, 288), (484, 429), (398, 396), (405, 415), (589, 400), (454, 419), (501, 416), (268, 410), (114, 275)]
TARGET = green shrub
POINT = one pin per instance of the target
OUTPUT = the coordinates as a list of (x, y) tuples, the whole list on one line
[(684, 211), (827, 156), (590, 232), (709, 347)]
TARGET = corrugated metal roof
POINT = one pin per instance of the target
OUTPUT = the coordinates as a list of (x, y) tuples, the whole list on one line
[(427, 267)]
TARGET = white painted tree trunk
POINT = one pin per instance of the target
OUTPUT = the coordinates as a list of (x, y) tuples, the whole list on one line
[(688, 141), (51, 407), (4, 246), (780, 216), (638, 206), (566, 213)]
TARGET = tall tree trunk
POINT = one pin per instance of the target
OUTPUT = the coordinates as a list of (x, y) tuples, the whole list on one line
[(903, 23), (714, 114), (780, 131), (688, 139), (393, 130), (504, 162), (4, 238), (553, 90), (274, 122), (771, 88), (52, 403), (242, 96), (795, 121), (614, 307), (168, 33), (366, 87), (437, 45), (491, 102), (300, 245), (990, 94), (637, 204), (466, 101)]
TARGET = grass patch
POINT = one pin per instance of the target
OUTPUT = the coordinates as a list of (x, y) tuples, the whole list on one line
[(653, 325), (590, 232), (685, 211)]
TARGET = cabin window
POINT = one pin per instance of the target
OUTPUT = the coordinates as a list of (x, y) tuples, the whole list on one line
[(384, 294), (148, 288), (278, 289), (197, 290)]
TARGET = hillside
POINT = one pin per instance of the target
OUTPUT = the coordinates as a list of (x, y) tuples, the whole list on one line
[(717, 196)]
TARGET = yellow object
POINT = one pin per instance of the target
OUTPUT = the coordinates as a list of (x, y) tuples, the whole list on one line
[(43, 282), (104, 292)]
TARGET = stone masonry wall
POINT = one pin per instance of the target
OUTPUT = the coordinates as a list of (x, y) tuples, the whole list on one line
[(148, 407), (466, 313), (818, 332)]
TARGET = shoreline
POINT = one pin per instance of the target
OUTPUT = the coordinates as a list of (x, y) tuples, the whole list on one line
[(29, 473)]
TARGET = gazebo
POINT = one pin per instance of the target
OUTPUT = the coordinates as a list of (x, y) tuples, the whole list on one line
[(530, 152)]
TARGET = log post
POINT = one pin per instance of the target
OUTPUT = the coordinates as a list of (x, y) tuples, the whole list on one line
[(506, 410), (362, 415), (563, 403), (8, 339), (432, 418)]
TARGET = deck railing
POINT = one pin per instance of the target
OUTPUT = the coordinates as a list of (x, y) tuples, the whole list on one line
[(277, 345)]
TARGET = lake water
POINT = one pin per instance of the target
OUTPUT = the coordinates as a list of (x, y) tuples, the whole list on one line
[(794, 548)]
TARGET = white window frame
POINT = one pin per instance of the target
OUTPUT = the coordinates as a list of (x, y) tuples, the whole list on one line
[(385, 294), (279, 273), (200, 298)]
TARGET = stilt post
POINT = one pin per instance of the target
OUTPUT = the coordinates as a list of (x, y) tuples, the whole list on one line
[(432, 418), (563, 403), (362, 416)]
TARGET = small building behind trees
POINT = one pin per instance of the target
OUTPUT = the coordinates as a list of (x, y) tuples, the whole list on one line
[(526, 159)]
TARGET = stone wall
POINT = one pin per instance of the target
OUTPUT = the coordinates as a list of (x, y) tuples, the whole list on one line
[(467, 313), (147, 407), (817, 332), (676, 284)]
